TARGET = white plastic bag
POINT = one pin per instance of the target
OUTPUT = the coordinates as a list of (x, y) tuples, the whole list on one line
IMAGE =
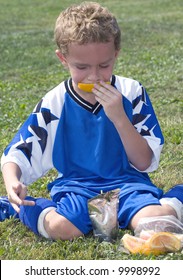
[(159, 224)]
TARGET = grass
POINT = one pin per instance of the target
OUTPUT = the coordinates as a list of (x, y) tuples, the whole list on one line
[(152, 49)]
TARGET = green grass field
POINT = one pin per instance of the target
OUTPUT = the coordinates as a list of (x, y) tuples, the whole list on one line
[(152, 48)]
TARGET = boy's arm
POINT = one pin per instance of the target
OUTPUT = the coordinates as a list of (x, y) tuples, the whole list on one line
[(137, 149), (31, 148), (16, 190)]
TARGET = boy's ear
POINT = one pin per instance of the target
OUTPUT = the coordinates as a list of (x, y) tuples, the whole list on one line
[(117, 53), (61, 57)]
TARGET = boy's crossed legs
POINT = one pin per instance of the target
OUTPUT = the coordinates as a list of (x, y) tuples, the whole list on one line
[(58, 227), (69, 218)]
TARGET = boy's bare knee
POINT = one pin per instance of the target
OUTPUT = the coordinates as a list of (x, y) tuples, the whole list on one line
[(58, 227)]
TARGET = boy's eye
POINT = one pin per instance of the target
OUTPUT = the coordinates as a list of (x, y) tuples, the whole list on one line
[(104, 66), (83, 67), (80, 67)]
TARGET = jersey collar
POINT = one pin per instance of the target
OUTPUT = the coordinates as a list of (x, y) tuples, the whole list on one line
[(93, 108)]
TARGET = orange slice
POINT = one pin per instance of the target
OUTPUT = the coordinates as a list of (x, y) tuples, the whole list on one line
[(132, 243), (158, 243), (163, 242), (87, 87)]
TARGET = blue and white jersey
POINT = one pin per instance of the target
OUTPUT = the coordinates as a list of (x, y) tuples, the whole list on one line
[(68, 133)]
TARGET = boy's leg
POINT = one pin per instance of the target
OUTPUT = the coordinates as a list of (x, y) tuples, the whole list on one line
[(141, 201), (58, 227), (174, 198), (28, 215), (152, 211), (6, 210), (65, 220), (71, 218), (175, 191)]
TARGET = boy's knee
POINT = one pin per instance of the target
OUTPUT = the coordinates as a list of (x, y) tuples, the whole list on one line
[(58, 227)]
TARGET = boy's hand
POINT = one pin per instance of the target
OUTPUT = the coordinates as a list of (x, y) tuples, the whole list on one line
[(16, 196), (111, 100)]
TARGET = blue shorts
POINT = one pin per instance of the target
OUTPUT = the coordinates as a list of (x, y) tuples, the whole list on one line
[(72, 202)]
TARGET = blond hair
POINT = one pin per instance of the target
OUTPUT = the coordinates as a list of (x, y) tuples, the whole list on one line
[(86, 23)]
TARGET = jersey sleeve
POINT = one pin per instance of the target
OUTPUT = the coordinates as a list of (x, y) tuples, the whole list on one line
[(145, 121), (31, 148), (142, 115)]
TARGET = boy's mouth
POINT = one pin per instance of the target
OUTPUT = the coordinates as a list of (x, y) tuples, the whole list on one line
[(87, 87)]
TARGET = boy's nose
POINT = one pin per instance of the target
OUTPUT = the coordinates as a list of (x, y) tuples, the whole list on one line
[(94, 76)]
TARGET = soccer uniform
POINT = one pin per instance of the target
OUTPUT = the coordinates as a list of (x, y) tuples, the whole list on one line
[(68, 133)]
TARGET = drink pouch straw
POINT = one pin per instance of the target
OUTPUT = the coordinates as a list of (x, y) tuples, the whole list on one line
[(103, 214)]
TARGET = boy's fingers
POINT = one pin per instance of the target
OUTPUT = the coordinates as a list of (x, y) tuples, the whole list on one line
[(16, 201), (16, 208), (28, 202), (22, 202)]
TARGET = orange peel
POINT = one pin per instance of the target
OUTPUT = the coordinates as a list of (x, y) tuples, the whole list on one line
[(159, 243), (87, 87)]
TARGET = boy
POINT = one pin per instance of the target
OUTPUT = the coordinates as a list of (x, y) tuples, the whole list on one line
[(97, 141)]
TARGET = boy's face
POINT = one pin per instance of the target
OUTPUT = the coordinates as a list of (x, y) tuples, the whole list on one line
[(90, 63)]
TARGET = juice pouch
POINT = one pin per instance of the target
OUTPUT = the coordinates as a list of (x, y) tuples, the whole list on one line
[(103, 214)]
